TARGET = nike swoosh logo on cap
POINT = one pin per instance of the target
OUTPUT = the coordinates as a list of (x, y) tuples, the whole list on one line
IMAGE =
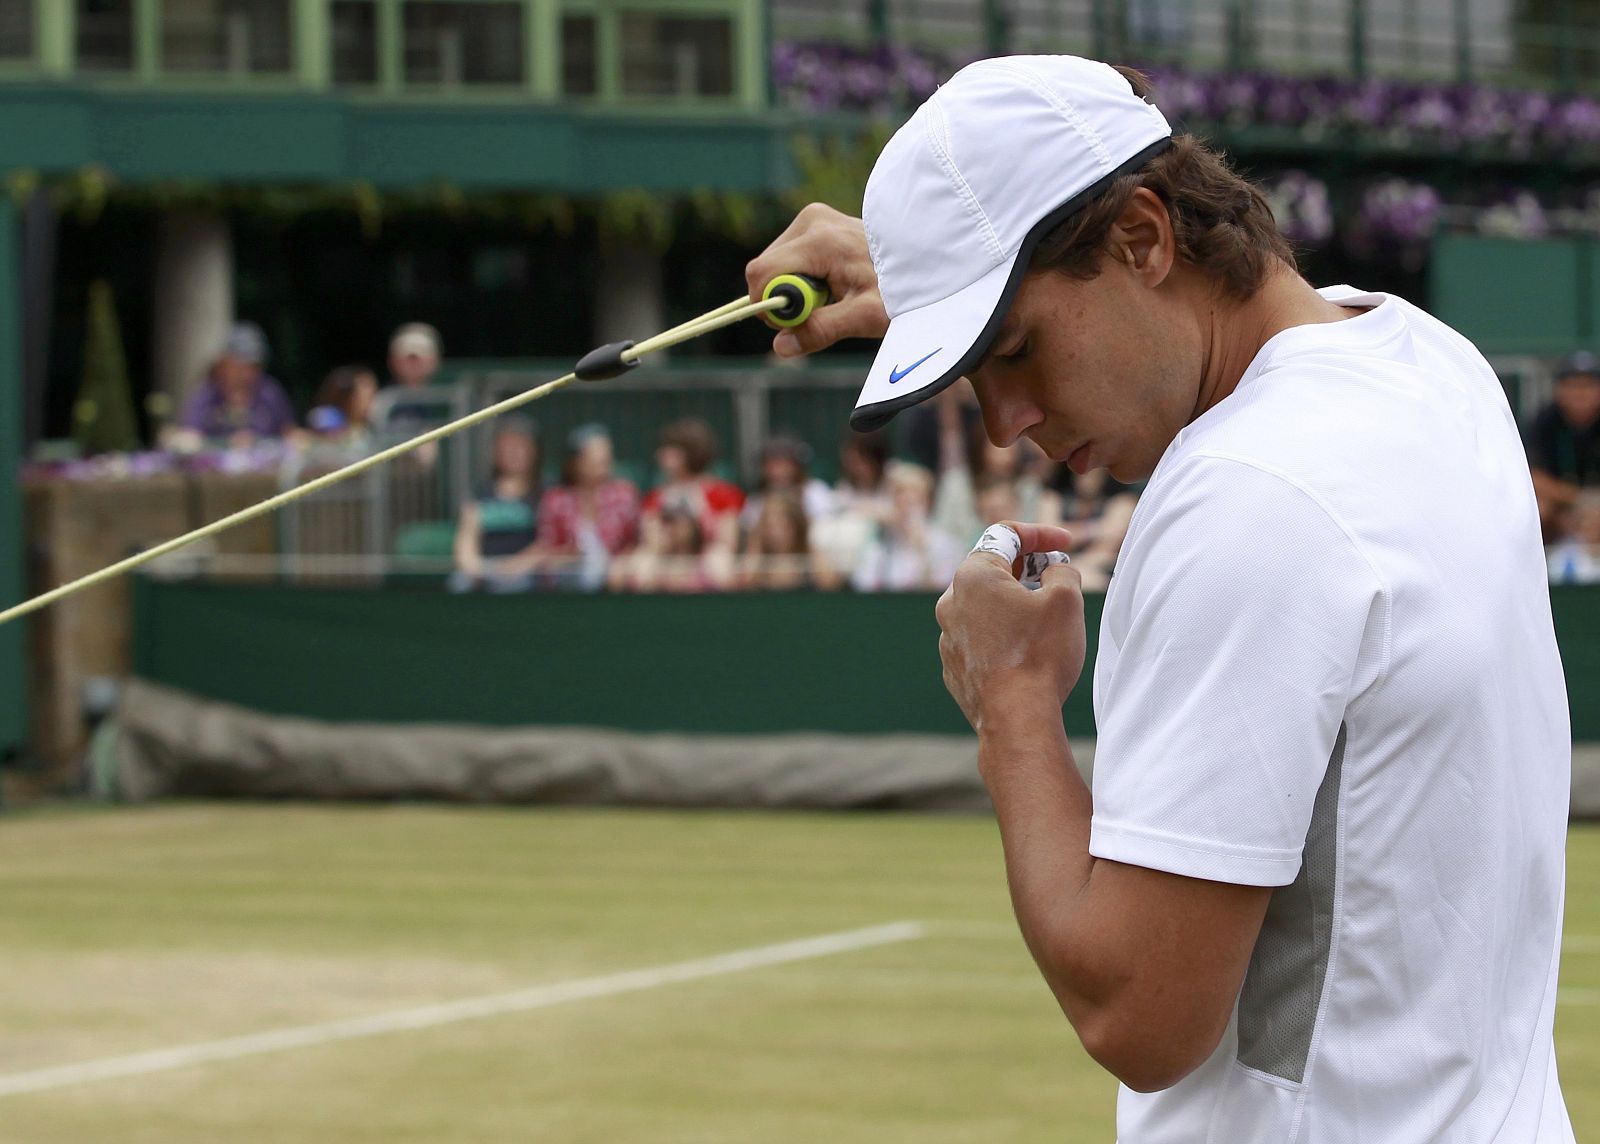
[(896, 373)]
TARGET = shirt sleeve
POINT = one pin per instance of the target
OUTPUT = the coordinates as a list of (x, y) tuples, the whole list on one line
[(1245, 619)]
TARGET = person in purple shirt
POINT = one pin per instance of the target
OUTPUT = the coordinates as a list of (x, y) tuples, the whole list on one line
[(238, 401)]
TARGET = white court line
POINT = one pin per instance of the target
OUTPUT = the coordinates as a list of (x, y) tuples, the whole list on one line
[(1580, 943), (466, 1009), (1578, 997)]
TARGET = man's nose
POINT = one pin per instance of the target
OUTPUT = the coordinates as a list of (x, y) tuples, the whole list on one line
[(1005, 418)]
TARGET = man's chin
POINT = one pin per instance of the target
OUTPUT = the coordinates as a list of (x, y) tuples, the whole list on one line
[(1129, 472)]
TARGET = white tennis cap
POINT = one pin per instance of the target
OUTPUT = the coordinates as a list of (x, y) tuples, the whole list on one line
[(963, 193)]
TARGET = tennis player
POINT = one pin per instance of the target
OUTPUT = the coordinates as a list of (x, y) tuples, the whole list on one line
[(1315, 894)]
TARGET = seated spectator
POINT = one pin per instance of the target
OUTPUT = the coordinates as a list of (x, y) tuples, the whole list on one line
[(592, 515), (497, 532), (414, 352), (861, 502), (686, 451), (1563, 442), (777, 556), (1575, 558), (784, 469), (238, 402), (910, 552), (863, 457), (1096, 508), (344, 403), (968, 460), (673, 555)]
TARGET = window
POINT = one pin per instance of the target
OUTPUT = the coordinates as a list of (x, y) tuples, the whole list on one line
[(232, 36), (579, 68), (450, 43), (105, 35), (353, 32), (16, 29), (676, 55)]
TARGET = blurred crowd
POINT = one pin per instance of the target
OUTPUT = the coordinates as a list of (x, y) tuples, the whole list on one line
[(900, 516), (1563, 443), (893, 521)]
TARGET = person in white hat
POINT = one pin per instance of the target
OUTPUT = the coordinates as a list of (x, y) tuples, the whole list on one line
[(414, 355), (1315, 892)]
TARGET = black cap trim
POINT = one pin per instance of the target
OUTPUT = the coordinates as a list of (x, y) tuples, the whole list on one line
[(878, 414)]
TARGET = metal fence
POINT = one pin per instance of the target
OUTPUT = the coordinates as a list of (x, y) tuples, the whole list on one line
[(400, 519), (1523, 42)]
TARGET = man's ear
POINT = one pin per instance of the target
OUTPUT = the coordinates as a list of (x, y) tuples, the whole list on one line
[(1142, 240)]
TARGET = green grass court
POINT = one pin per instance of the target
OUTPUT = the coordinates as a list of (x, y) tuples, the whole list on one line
[(132, 930)]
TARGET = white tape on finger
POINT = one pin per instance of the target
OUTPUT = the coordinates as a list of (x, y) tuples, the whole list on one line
[(1034, 564), (1003, 541)]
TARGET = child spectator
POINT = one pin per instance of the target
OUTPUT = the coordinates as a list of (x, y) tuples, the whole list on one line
[(344, 403), (592, 514), (861, 502), (497, 533), (777, 556), (910, 552), (1575, 558), (673, 555), (1563, 442), (785, 462), (238, 401), (685, 453)]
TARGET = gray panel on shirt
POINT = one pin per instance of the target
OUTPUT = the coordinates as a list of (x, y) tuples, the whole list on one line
[(1283, 986)]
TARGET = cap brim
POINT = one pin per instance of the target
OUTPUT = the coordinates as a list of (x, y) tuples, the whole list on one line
[(926, 349)]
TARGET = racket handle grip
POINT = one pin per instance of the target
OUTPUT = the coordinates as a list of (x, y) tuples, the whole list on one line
[(802, 295)]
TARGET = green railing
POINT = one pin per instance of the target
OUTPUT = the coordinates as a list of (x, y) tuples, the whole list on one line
[(627, 52), (715, 52), (1515, 42)]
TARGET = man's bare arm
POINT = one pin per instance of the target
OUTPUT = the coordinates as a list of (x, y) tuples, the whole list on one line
[(1146, 965)]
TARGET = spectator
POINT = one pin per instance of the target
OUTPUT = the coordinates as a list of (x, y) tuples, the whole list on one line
[(861, 502), (344, 403), (238, 401), (1575, 558), (686, 451), (497, 533), (673, 555), (1563, 442), (910, 553), (863, 457), (592, 514), (777, 555), (785, 463), (414, 352), (1096, 508), (968, 461)]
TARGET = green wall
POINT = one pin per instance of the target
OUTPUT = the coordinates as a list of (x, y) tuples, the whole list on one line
[(1517, 295), (306, 138), (717, 663), (731, 663)]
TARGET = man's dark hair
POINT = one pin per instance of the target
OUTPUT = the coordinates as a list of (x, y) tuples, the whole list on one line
[(1222, 224)]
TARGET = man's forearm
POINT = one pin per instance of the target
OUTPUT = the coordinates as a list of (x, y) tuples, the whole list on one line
[(1043, 807)]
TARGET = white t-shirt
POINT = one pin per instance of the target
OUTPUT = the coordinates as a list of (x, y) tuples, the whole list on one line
[(1327, 665)]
